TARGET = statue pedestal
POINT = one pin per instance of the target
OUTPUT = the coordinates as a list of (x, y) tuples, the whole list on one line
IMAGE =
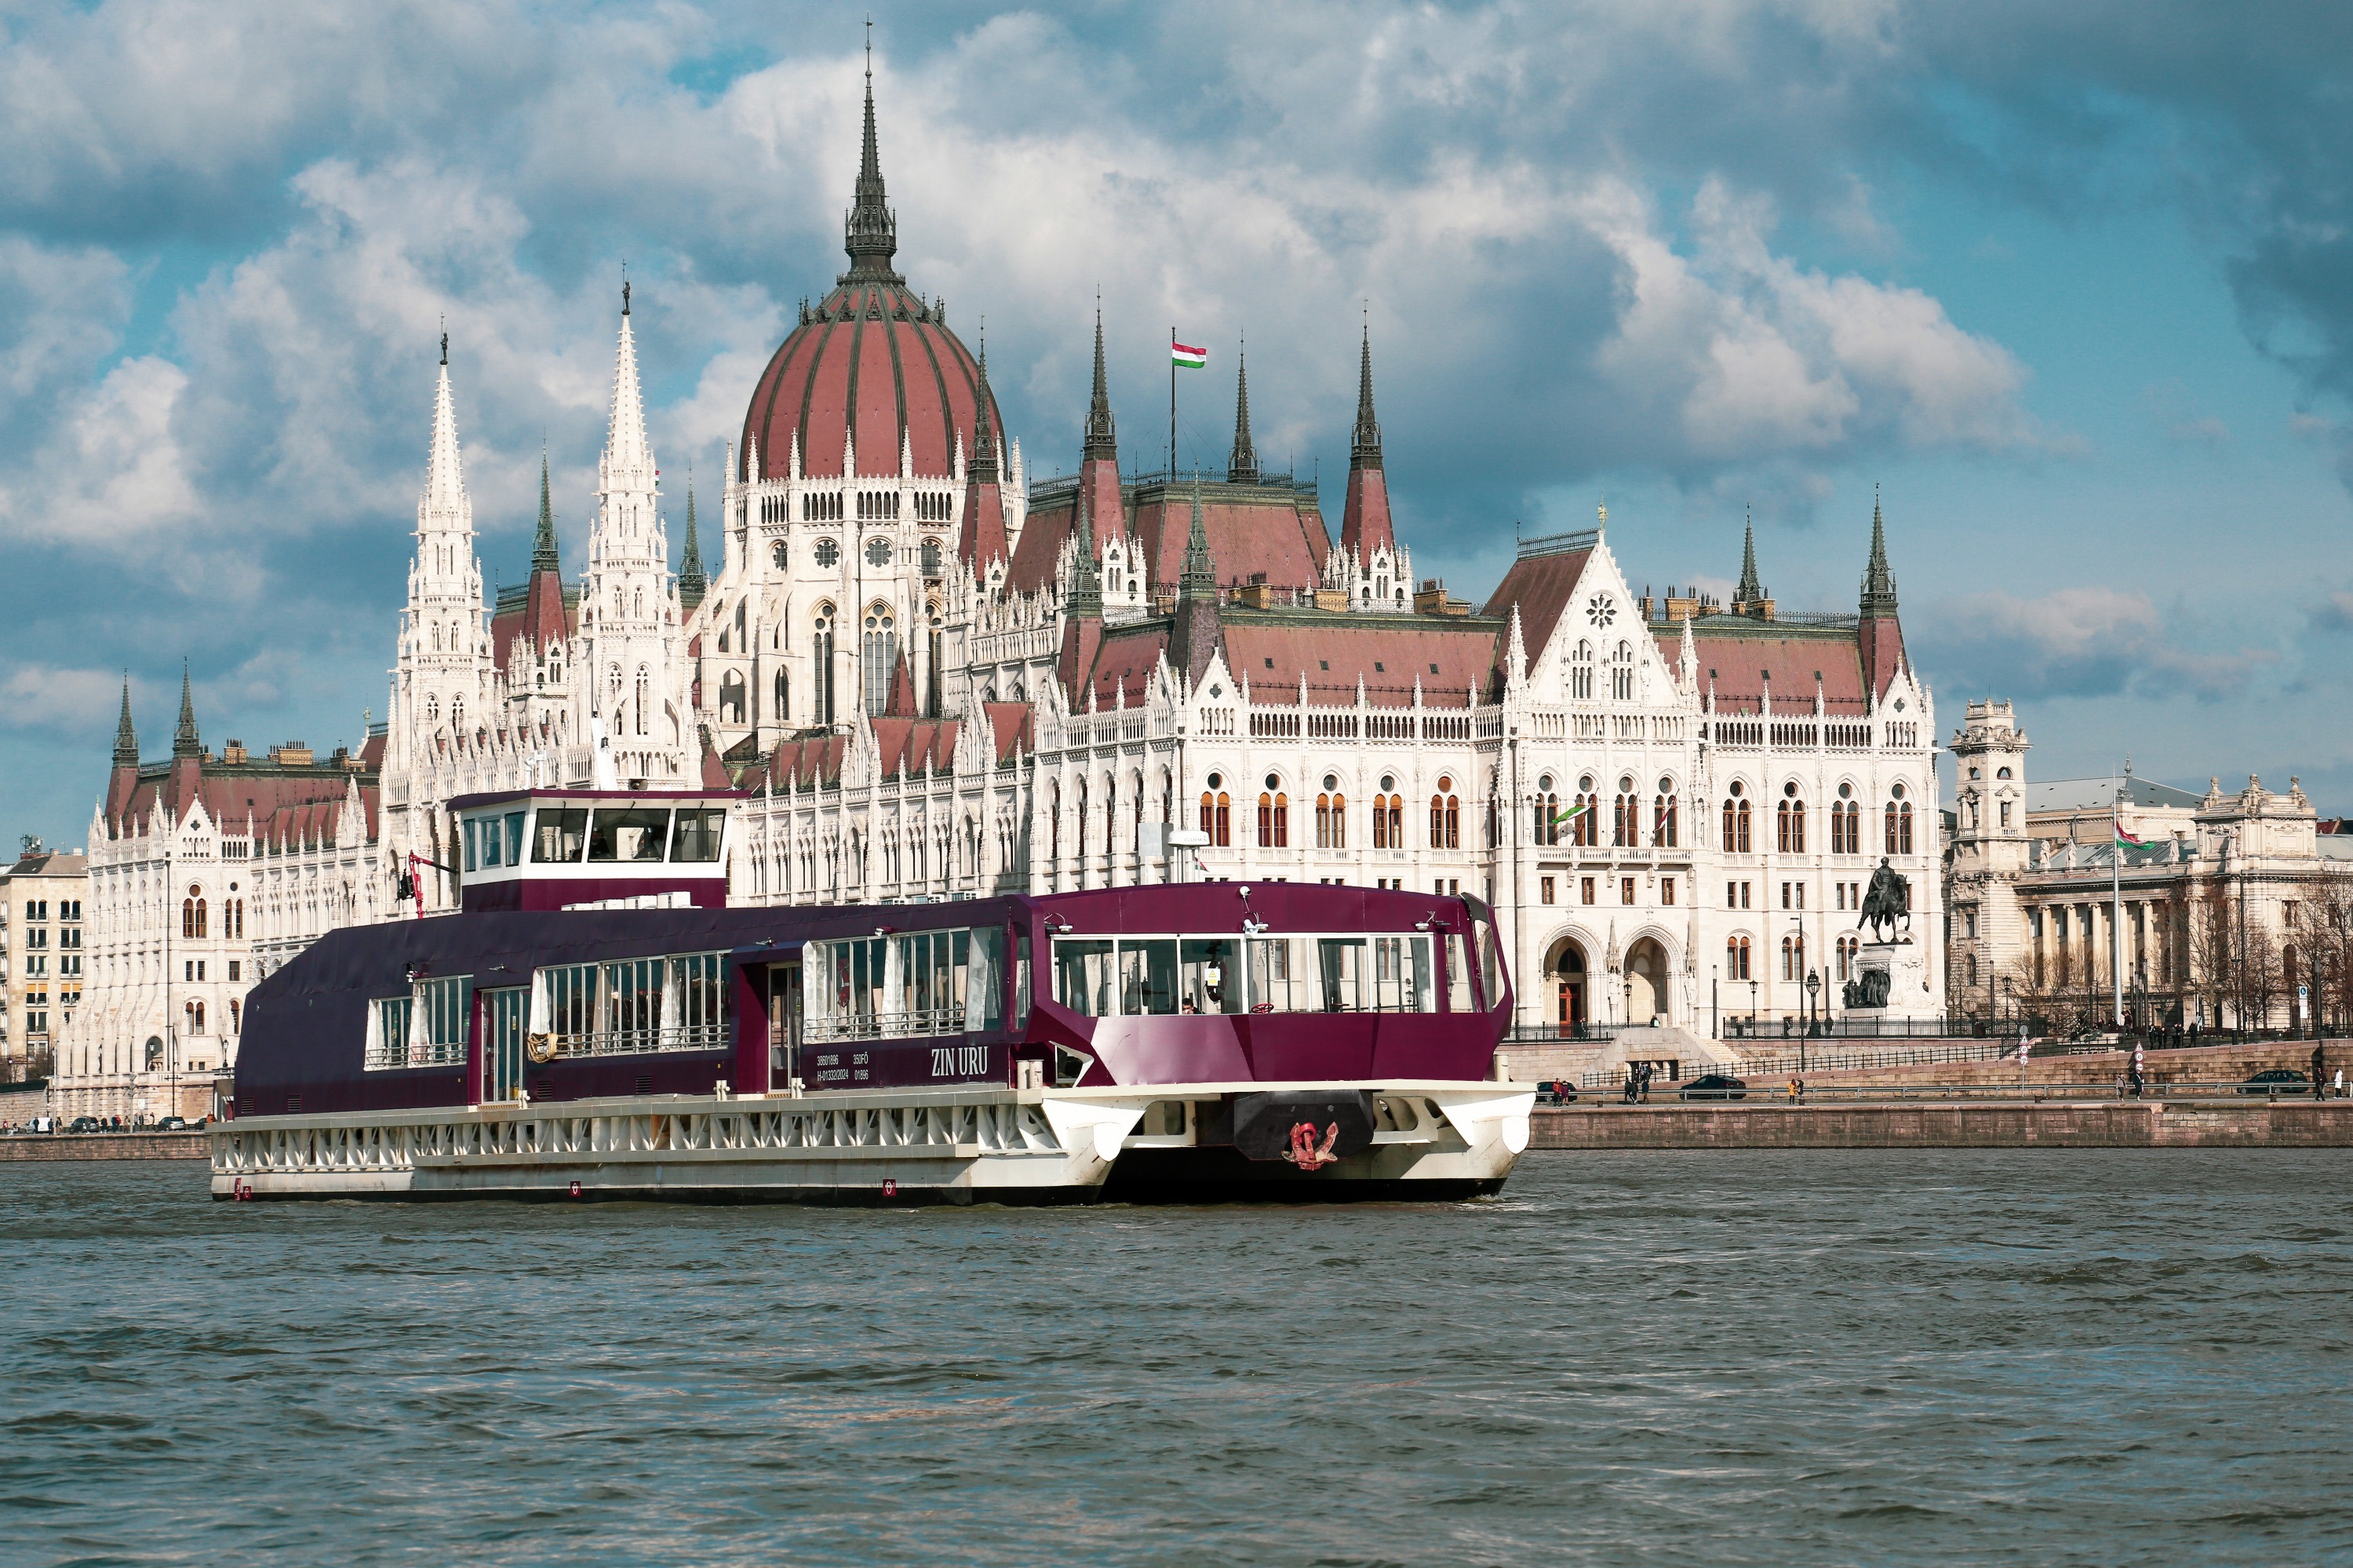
[(1893, 981)]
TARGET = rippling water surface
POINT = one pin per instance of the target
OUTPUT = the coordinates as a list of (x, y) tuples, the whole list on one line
[(2097, 1356)]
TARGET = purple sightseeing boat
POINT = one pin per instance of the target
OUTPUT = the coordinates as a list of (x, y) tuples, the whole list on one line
[(596, 1023)]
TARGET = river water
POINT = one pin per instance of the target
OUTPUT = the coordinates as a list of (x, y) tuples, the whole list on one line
[(2097, 1356)]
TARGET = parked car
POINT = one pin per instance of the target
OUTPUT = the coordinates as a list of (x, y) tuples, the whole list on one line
[(2277, 1081), (84, 1124), (1715, 1086), (1556, 1091), (172, 1124)]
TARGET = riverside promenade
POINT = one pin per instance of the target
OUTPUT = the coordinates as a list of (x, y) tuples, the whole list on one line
[(106, 1146)]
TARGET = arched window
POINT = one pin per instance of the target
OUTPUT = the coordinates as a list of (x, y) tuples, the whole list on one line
[(1580, 672), (1389, 817), (1547, 813), (195, 1018), (637, 604), (1331, 817), (1445, 816), (881, 655), (457, 717), (1971, 965), (1626, 816), (1735, 821), (645, 692), (1793, 958), (1217, 814), (1736, 958), (821, 651), (783, 710), (1273, 816), (1621, 673), (777, 556), (828, 553), (731, 697), (1789, 822), (233, 919), (1899, 823), (930, 558), (1663, 828), (1054, 833), (236, 1015), (192, 913), (1849, 953), (1110, 815)]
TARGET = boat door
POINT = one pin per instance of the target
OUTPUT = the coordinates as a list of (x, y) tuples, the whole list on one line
[(507, 1012), (784, 1023)]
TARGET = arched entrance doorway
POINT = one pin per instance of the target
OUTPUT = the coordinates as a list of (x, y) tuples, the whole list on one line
[(1646, 981), (1566, 970)]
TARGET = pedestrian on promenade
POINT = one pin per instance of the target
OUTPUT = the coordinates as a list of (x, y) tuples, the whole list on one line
[(2319, 1071), (2341, 1083), (2120, 1086)]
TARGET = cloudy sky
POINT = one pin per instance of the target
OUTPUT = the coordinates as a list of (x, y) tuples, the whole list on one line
[(2073, 284)]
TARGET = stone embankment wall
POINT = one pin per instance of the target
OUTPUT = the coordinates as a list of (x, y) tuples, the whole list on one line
[(2203, 1064), (2058, 1124), (108, 1146)]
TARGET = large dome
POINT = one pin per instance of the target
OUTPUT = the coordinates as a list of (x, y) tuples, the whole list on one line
[(873, 361)]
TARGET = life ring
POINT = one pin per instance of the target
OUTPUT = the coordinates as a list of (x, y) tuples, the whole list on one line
[(539, 1047)]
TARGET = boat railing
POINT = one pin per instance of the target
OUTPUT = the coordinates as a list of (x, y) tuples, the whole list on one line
[(908, 1026), (418, 1054), (639, 1042)]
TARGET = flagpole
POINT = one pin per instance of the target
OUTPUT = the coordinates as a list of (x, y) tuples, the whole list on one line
[(1172, 406)]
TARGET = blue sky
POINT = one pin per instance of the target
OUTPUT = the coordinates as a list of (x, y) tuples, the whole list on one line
[(2072, 286)]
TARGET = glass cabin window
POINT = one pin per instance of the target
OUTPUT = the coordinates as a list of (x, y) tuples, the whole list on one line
[(629, 833), (1148, 977), (1208, 975), (1458, 973), (697, 834), (1082, 976), (561, 831)]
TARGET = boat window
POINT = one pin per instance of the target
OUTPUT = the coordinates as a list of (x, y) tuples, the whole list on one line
[(1275, 966), (1341, 974), (493, 842), (697, 838), (984, 985), (1148, 976), (561, 831), (1458, 973), (626, 1006), (1082, 975), (1209, 976), (471, 828), (629, 833), (427, 1027), (514, 822), (1020, 1019), (1401, 977), (1491, 964)]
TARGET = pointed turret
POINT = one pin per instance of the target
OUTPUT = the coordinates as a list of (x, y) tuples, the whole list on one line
[(126, 739), (1364, 525), (628, 455), (1879, 636), (185, 743), (981, 542), (1196, 629), (1878, 582), (544, 557), (1098, 494), (692, 582), (1242, 467), (445, 474), (870, 232), (1086, 579), (1751, 594), (1103, 435)]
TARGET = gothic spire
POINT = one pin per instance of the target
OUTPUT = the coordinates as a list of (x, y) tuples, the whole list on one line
[(1364, 445), (543, 543), (692, 582), (1200, 574), (983, 466), (1878, 582), (445, 473), (626, 446), (1103, 436), (185, 743), (1750, 591), (1242, 468), (126, 740), (870, 232), (1086, 579)]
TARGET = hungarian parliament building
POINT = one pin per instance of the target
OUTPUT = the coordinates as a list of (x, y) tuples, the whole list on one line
[(928, 677)]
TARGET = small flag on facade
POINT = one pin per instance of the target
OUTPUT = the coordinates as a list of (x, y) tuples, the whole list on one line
[(2124, 840), (1574, 811), (1186, 357)]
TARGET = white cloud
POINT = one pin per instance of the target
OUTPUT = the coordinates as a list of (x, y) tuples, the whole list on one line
[(2082, 642)]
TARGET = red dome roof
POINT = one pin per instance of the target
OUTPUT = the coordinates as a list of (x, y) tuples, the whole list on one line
[(872, 362)]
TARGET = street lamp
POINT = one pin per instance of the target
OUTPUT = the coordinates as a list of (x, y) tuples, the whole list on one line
[(1813, 994), (1751, 1007)]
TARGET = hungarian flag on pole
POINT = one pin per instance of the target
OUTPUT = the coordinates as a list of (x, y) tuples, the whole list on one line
[(1574, 811), (2125, 840), (1186, 357)]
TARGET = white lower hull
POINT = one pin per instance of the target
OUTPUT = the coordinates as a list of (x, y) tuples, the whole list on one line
[(953, 1146)]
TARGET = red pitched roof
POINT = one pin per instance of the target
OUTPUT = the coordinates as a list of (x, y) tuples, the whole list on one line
[(1013, 724), (1736, 657), (1251, 531), (1540, 588), (916, 744), (1449, 657), (1122, 661)]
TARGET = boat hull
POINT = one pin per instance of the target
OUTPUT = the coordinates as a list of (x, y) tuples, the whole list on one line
[(1431, 1142)]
